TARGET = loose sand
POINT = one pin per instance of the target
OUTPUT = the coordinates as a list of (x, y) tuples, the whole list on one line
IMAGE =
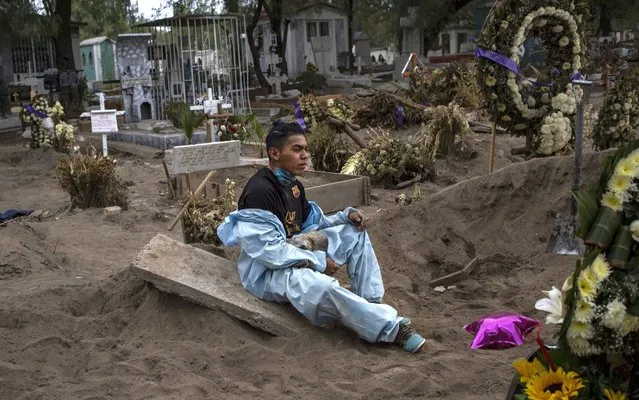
[(75, 324)]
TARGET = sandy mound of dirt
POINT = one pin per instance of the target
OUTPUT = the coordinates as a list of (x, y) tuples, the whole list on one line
[(121, 339)]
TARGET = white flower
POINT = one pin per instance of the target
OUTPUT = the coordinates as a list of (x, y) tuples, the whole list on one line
[(615, 314), (634, 228), (557, 28), (552, 305)]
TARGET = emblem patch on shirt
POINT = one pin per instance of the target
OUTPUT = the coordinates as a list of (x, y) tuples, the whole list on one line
[(296, 191), (290, 225), (290, 217)]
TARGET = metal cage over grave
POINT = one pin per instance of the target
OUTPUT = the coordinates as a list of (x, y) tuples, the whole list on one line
[(189, 54)]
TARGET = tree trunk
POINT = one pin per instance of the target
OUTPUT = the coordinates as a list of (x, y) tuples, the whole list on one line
[(400, 34), (63, 43), (605, 22), (350, 4), (274, 12), (250, 28), (280, 44), (232, 6)]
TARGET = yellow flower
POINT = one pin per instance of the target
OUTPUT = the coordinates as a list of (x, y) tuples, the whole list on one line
[(583, 311), (579, 329), (630, 324), (491, 81), (582, 347), (612, 201), (587, 286), (526, 369), (625, 167), (620, 184), (600, 268), (614, 395), (633, 158), (554, 385)]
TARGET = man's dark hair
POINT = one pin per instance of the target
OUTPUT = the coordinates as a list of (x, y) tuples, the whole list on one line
[(280, 132)]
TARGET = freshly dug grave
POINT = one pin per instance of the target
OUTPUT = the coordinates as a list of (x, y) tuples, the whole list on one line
[(75, 324)]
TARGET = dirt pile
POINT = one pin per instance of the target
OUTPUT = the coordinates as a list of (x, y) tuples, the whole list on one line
[(84, 328)]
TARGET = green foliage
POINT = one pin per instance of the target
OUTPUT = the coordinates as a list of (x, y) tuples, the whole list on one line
[(202, 217), (588, 207), (175, 110), (190, 122), (389, 161), (83, 89), (91, 181), (308, 81), (329, 147), (114, 104), (619, 116), (102, 17), (456, 82), (257, 131), (446, 127)]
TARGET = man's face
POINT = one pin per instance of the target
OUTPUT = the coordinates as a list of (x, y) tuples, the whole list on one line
[(294, 155)]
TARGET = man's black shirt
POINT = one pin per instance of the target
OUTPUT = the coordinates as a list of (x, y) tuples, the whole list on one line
[(288, 203)]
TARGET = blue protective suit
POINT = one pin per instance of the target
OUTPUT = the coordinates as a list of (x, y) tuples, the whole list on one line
[(267, 270)]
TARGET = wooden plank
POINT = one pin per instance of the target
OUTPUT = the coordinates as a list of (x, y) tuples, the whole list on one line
[(455, 276), (337, 196), (213, 282), (349, 190)]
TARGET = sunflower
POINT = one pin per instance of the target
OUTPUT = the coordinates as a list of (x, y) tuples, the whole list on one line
[(526, 369), (614, 395), (551, 385)]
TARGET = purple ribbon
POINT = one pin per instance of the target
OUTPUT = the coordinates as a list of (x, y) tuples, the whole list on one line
[(299, 116), (426, 103), (399, 116), (576, 76), (37, 113), (504, 62), (498, 58)]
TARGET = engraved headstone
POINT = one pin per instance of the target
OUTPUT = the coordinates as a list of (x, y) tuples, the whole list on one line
[(206, 156)]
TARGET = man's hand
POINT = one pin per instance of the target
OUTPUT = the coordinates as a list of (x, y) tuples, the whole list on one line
[(331, 267), (358, 219)]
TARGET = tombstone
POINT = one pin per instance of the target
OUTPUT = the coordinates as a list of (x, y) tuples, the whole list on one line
[(191, 159), (205, 156), (135, 76), (362, 48)]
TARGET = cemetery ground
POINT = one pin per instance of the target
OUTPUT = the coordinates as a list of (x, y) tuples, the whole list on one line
[(76, 324)]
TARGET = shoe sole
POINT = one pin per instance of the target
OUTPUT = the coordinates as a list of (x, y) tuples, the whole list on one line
[(419, 347)]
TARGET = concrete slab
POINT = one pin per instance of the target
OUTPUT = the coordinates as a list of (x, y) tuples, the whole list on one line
[(160, 141), (213, 282)]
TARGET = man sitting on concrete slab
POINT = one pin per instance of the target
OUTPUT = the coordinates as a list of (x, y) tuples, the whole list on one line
[(273, 208)]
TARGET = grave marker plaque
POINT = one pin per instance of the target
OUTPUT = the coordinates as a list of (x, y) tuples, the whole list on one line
[(206, 156)]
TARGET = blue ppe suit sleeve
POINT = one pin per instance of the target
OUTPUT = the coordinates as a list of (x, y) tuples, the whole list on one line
[(316, 219), (265, 244)]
